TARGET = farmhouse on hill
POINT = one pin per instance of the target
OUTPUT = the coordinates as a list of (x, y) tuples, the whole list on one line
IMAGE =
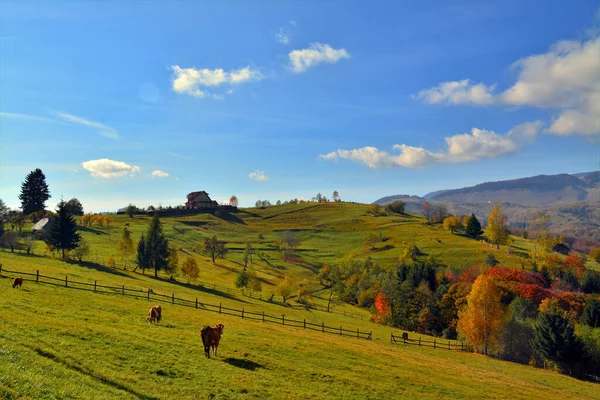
[(200, 200), (41, 228)]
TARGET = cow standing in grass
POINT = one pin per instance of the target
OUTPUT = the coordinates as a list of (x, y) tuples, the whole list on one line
[(155, 314), (18, 282), (211, 338)]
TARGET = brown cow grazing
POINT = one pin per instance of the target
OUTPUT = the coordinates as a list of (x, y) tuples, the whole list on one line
[(155, 314), (211, 338), (18, 282)]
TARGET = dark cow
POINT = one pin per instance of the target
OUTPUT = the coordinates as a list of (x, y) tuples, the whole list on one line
[(405, 336), (211, 336), (155, 314), (18, 282)]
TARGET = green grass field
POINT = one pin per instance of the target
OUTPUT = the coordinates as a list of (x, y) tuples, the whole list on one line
[(64, 343)]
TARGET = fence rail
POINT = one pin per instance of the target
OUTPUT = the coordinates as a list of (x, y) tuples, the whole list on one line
[(436, 344), (149, 294)]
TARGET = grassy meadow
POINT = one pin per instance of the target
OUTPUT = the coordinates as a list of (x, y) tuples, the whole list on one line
[(64, 343)]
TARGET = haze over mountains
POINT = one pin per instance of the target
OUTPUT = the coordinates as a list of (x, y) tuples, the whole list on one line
[(571, 200)]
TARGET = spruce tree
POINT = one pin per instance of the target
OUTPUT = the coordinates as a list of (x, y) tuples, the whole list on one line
[(34, 192), (554, 339), (473, 227), (62, 230), (141, 260), (157, 246)]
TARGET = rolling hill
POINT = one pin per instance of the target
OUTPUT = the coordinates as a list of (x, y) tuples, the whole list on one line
[(60, 342)]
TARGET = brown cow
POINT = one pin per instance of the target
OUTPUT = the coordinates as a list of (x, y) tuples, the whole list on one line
[(155, 314), (18, 282), (211, 338)]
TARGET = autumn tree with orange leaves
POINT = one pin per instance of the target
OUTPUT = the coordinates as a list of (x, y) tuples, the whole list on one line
[(485, 317)]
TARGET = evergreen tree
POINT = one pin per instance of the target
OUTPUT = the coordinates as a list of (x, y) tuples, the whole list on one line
[(157, 246), (473, 227), (125, 247), (74, 207), (546, 275), (141, 260), (591, 314), (34, 192), (555, 340), (62, 230)]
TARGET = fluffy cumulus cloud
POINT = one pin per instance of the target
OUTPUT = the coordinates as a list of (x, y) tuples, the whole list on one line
[(159, 174), (105, 168), (258, 176), (565, 79), (459, 92), (479, 144), (195, 82), (317, 53)]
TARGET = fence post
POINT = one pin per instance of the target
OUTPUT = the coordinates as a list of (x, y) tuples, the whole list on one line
[(461, 345), (242, 312), (449, 345), (0, 269), (123, 290), (214, 287), (219, 308), (148, 293), (419, 341), (304, 323), (391, 337), (196, 302), (340, 331), (357, 333), (66, 280), (283, 319), (37, 276), (323, 326), (404, 339), (95, 283), (263, 316), (434, 343), (173, 298)]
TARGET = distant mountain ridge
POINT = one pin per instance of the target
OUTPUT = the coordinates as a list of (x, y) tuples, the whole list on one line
[(541, 189)]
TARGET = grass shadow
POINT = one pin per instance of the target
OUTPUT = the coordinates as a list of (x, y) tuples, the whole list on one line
[(94, 375), (204, 289), (90, 230), (100, 268), (229, 217), (383, 248), (241, 363)]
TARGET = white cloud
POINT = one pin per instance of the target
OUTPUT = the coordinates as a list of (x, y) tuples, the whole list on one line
[(258, 176), (283, 36), (317, 53), (479, 144), (193, 81), (566, 78), (105, 130), (159, 174), (527, 131), (25, 117), (105, 168), (458, 92)]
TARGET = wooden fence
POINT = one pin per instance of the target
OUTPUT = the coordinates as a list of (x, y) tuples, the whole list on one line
[(436, 344), (149, 294)]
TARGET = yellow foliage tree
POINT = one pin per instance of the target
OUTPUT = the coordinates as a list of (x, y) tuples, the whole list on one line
[(496, 229), (107, 220), (484, 317), (190, 268), (452, 222)]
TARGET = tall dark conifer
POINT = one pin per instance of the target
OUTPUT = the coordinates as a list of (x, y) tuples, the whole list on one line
[(141, 260), (473, 228), (34, 192), (156, 246), (62, 230)]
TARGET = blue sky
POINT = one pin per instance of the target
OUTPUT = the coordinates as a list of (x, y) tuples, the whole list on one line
[(143, 102)]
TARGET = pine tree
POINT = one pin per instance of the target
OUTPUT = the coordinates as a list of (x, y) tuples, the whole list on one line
[(125, 247), (34, 192), (473, 227), (157, 246), (141, 260), (62, 230), (554, 339)]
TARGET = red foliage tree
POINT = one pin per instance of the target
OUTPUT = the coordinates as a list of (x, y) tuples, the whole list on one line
[(574, 263), (535, 293), (382, 305), (515, 275)]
